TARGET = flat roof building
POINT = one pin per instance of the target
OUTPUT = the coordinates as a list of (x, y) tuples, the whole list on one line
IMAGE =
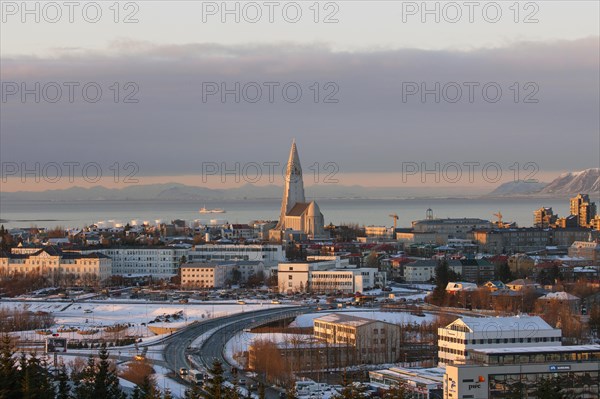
[(496, 373), (468, 333)]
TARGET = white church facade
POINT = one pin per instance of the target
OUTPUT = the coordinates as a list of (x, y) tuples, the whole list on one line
[(299, 219)]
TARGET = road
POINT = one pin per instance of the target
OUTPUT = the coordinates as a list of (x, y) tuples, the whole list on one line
[(222, 330)]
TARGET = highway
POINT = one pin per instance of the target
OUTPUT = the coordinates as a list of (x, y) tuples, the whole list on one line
[(222, 330)]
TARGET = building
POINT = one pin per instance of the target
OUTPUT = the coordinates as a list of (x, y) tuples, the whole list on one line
[(63, 268), (450, 228), (497, 241), (517, 372), (409, 236), (495, 285), (248, 269), (378, 232), (327, 274), (467, 333), (298, 218), (422, 383), (522, 284), (589, 250), (520, 264), (544, 217), (302, 354), (241, 231), (373, 341), (205, 275), (219, 274), (583, 209), (460, 286), (158, 262), (270, 254), (471, 270), (561, 299)]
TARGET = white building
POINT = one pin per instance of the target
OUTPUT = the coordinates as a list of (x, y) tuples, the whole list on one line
[(421, 383), (469, 333), (326, 274), (269, 254), (159, 262), (204, 275)]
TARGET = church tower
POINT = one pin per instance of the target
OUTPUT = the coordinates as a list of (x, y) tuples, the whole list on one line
[(293, 192)]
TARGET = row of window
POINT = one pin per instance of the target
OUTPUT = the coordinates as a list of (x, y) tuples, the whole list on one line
[(335, 276), (453, 351), (331, 283), (498, 340)]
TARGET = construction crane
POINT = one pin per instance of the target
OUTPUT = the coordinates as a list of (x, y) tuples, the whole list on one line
[(499, 216), (395, 217)]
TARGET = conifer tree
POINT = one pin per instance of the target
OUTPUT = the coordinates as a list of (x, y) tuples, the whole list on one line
[(193, 393), (214, 387), (137, 394), (64, 389), (148, 388), (106, 381), (167, 394), (86, 383), (36, 383), (9, 375)]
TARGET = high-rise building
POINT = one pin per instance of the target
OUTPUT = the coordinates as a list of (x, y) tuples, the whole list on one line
[(298, 218), (583, 209), (544, 217)]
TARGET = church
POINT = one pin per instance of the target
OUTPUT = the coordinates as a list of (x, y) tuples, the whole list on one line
[(298, 219)]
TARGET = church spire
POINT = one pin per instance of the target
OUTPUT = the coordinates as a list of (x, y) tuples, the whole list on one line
[(293, 191)]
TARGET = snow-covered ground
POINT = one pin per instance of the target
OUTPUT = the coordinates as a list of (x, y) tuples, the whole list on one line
[(72, 318)]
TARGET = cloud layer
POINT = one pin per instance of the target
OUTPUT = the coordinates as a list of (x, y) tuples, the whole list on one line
[(371, 128)]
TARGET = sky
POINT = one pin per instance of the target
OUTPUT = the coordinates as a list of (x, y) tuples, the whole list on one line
[(376, 93)]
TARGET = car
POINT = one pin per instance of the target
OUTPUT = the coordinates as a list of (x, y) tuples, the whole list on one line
[(183, 371)]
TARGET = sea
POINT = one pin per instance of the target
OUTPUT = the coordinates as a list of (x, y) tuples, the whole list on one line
[(337, 211)]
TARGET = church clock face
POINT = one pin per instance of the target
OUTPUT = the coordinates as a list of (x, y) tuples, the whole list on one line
[(294, 170)]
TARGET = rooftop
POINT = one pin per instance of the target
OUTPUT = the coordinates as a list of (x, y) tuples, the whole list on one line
[(539, 349), (340, 318), (510, 323), (560, 296)]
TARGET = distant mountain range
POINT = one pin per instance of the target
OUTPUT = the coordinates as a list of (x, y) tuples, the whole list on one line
[(567, 184), (177, 191)]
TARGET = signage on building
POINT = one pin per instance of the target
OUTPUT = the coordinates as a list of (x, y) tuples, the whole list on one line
[(56, 345), (559, 368)]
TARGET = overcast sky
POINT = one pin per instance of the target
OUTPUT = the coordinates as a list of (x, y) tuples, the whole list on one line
[(361, 79)]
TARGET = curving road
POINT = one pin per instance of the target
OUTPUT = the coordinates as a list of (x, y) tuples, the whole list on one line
[(221, 330)]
